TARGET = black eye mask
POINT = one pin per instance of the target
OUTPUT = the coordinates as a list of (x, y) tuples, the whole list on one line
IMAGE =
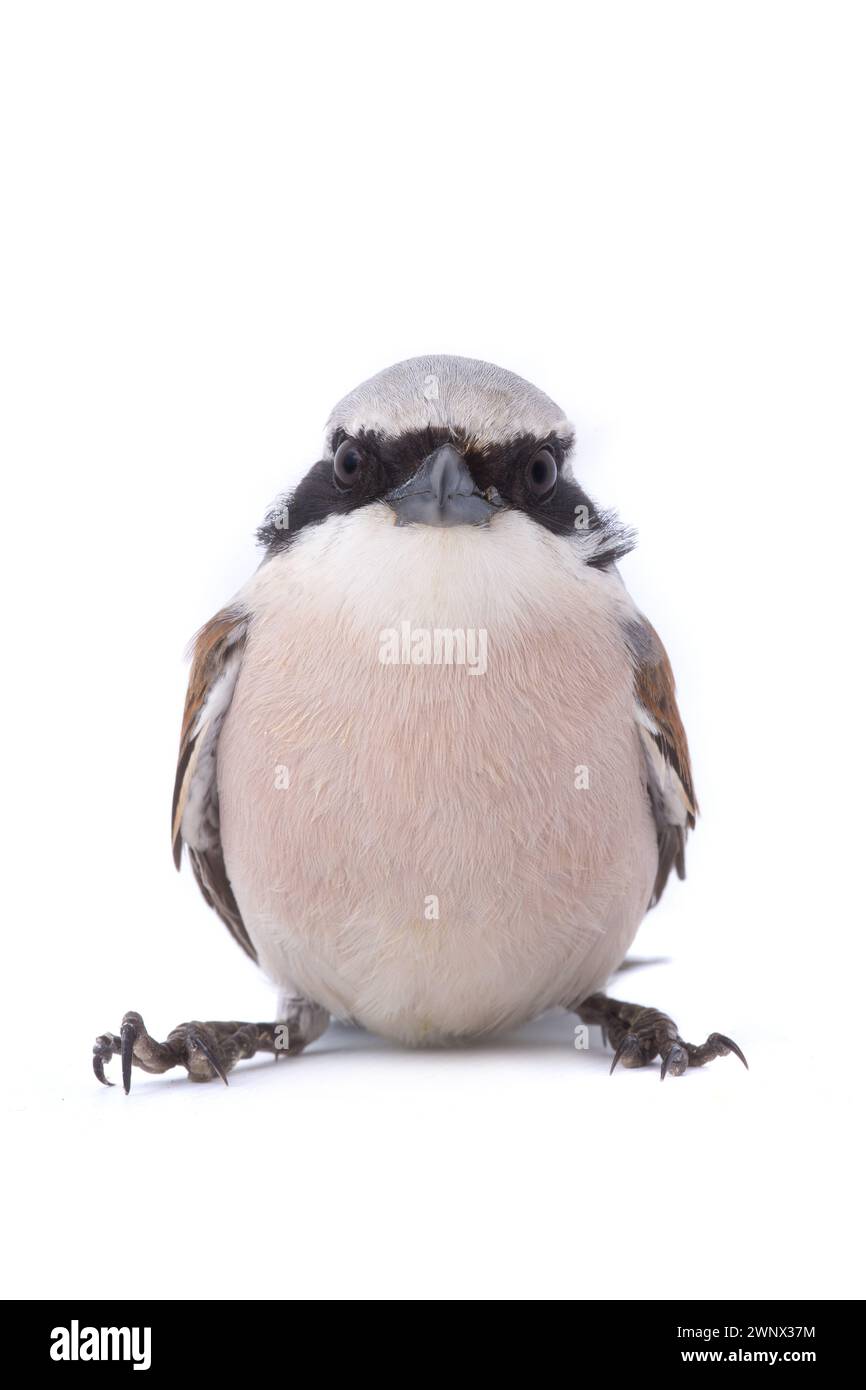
[(434, 477)]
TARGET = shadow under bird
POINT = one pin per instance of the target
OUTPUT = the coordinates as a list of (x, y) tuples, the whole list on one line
[(432, 773)]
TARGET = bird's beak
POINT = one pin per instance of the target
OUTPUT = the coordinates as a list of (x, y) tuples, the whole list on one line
[(442, 493)]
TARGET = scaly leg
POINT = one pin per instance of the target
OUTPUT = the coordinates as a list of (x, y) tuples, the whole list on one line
[(639, 1035), (208, 1049)]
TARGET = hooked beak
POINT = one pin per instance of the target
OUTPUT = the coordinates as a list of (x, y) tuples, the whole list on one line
[(442, 493)]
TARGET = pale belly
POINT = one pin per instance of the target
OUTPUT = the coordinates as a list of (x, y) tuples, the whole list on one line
[(432, 853)]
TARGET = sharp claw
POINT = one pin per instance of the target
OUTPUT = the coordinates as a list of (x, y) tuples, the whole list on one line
[(677, 1060), (730, 1045), (198, 1041), (616, 1056), (99, 1070), (127, 1038)]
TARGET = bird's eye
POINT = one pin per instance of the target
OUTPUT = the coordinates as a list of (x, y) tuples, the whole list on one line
[(348, 464), (541, 474)]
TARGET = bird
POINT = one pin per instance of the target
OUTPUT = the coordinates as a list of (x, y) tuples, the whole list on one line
[(432, 772)]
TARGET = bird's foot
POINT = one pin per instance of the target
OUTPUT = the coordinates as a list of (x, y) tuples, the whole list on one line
[(207, 1050), (639, 1035)]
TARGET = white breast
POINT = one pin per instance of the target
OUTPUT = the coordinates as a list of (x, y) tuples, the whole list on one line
[(415, 846)]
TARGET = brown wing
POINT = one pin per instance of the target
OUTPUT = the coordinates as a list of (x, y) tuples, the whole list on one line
[(217, 652), (669, 772)]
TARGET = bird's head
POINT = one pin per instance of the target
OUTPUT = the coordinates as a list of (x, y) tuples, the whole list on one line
[(449, 442)]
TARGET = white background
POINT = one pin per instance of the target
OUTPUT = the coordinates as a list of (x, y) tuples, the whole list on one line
[(217, 219)]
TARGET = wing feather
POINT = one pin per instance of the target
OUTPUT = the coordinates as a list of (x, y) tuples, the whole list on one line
[(666, 751), (216, 660)]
